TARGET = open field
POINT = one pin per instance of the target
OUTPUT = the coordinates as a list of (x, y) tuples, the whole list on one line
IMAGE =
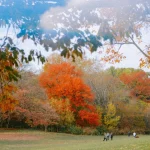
[(36, 140)]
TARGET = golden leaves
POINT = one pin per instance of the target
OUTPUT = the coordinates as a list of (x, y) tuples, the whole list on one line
[(145, 62), (112, 56), (110, 119), (63, 108), (148, 52), (142, 63)]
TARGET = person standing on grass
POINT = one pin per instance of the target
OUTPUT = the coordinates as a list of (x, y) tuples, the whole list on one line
[(108, 135), (134, 134), (129, 133), (111, 136), (105, 136)]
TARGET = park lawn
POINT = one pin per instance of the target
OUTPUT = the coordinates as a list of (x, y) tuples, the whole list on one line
[(36, 140)]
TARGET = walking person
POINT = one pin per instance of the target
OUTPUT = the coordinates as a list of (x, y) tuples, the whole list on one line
[(105, 137)]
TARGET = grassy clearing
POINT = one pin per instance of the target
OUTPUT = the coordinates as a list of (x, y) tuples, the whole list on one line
[(35, 140)]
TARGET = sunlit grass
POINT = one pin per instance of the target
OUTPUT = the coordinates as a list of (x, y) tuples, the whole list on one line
[(35, 140)]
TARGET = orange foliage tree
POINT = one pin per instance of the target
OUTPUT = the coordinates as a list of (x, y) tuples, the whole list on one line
[(8, 74), (138, 83), (63, 81)]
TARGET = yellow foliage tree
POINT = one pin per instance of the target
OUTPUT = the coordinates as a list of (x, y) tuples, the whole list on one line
[(99, 112), (110, 119), (62, 107)]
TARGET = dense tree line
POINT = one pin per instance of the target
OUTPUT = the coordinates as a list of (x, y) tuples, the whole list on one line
[(74, 96)]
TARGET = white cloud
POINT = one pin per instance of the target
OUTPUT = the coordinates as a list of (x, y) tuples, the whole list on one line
[(79, 12), (74, 14)]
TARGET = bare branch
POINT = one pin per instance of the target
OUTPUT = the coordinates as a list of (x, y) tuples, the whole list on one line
[(5, 38), (123, 43), (134, 43)]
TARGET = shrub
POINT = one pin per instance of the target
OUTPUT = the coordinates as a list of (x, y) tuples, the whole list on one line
[(90, 131), (96, 132), (75, 130), (122, 131), (147, 132), (101, 130), (126, 130)]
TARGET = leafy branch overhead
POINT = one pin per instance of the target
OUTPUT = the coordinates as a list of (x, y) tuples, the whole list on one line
[(11, 58), (118, 25)]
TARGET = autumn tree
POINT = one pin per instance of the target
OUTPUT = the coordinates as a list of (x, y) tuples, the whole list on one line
[(63, 108), (33, 107), (106, 87), (111, 120), (11, 59), (34, 112), (29, 80), (132, 116), (63, 81), (138, 83), (8, 74), (85, 64), (117, 72), (147, 116)]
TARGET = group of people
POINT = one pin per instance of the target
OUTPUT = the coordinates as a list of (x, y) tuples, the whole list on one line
[(134, 134), (108, 136)]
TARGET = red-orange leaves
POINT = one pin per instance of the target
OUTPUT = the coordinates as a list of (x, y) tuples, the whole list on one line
[(87, 117), (139, 84), (63, 81)]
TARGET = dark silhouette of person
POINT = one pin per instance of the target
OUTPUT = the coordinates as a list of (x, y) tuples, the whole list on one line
[(129, 133), (111, 136)]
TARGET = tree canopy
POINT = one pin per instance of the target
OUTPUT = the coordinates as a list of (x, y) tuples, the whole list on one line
[(64, 83), (73, 27)]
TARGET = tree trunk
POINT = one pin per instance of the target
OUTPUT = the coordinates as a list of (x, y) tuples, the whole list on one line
[(8, 121), (45, 128)]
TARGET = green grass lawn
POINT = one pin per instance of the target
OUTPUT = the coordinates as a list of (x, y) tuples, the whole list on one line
[(35, 140)]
